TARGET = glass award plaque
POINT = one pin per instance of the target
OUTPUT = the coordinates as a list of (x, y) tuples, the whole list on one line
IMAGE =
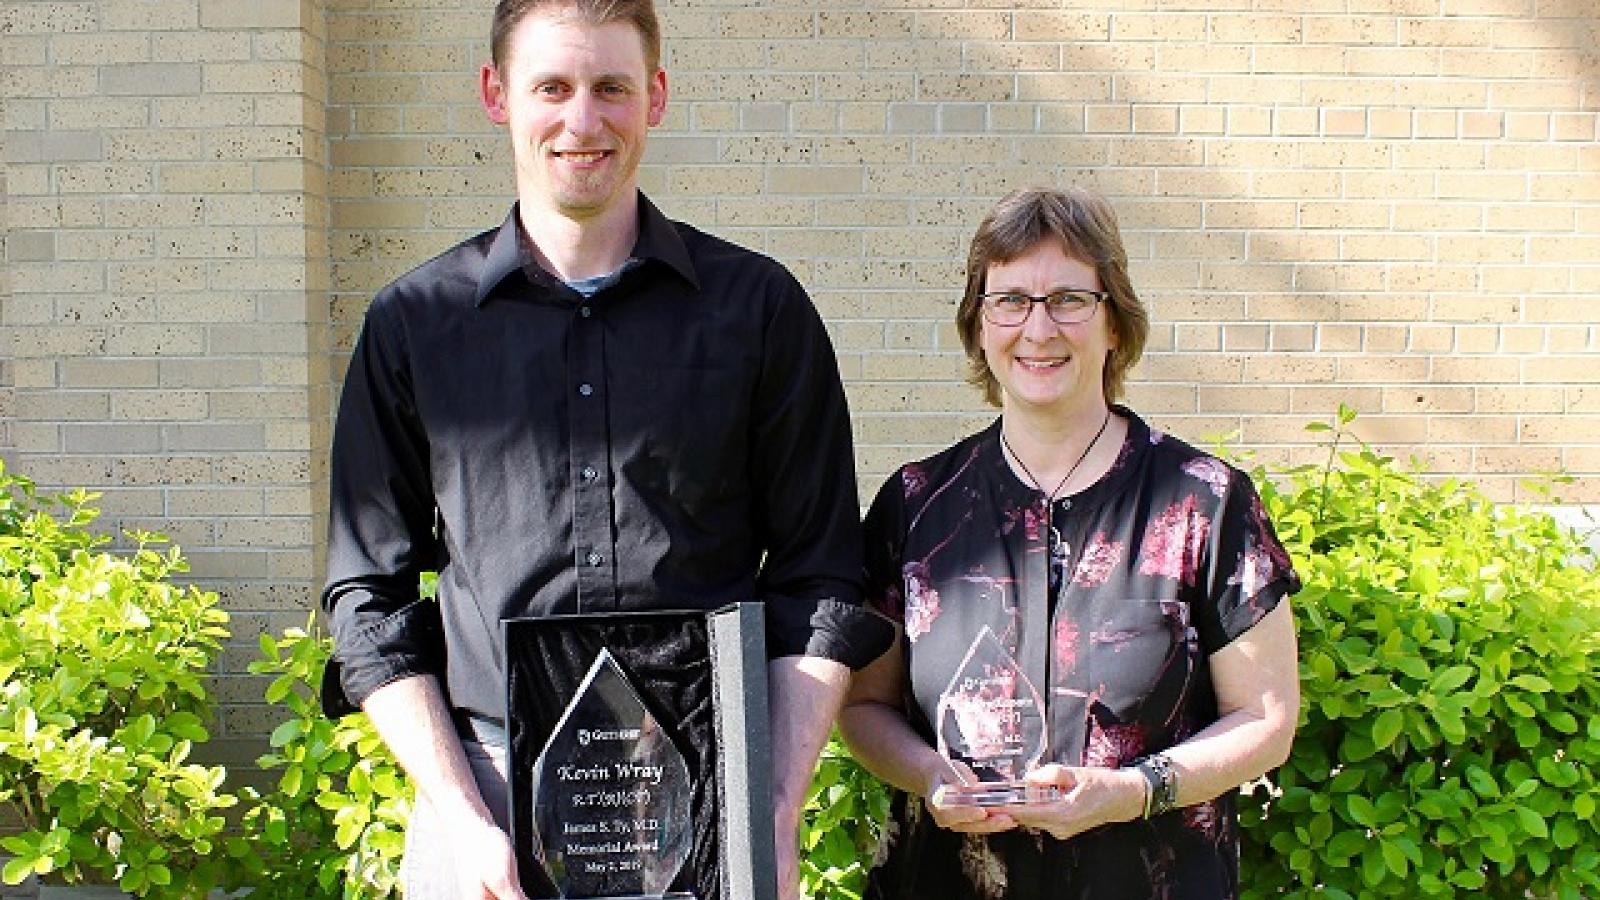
[(610, 795), (991, 719)]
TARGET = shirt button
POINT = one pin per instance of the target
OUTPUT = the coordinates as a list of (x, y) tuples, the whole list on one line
[(595, 559), (589, 473), (585, 311), (586, 389)]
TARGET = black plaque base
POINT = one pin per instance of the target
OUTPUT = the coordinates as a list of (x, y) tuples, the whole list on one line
[(701, 677)]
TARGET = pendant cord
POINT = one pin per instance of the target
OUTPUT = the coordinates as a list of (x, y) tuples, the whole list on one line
[(1063, 482)]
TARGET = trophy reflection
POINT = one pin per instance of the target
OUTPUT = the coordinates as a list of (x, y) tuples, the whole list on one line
[(991, 720), (610, 796)]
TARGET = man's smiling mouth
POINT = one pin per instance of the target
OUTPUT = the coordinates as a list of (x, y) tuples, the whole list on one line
[(581, 156)]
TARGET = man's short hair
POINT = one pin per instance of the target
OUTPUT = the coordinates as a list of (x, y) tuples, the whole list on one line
[(639, 13), (1086, 228)]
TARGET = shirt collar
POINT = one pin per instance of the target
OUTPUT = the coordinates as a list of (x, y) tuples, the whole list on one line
[(1135, 445), (658, 240)]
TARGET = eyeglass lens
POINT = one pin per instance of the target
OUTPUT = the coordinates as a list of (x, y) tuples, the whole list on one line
[(1063, 307)]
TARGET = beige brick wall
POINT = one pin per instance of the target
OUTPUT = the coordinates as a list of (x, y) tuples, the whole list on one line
[(166, 284), (1393, 204), (1389, 203)]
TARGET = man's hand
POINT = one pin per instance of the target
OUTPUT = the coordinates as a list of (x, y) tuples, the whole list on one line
[(484, 861), (785, 831), (411, 716), (806, 694)]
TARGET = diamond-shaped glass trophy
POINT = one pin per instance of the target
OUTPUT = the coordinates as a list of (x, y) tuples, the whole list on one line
[(610, 795), (991, 719)]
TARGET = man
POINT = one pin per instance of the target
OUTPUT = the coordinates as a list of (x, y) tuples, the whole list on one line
[(590, 408)]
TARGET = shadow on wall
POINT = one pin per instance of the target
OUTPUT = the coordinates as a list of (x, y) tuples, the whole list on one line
[(1296, 190)]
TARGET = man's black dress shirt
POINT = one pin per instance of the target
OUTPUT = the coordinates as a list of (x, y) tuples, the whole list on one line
[(678, 441)]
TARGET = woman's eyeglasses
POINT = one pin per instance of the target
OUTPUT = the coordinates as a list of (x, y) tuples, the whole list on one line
[(1063, 307)]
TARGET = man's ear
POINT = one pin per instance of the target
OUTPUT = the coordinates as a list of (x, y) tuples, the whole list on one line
[(492, 94), (658, 97)]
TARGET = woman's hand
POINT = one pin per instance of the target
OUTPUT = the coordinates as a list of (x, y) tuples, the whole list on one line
[(1090, 797), (959, 816), (874, 726)]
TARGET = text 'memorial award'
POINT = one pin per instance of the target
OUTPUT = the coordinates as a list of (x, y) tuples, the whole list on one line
[(610, 795), (992, 721)]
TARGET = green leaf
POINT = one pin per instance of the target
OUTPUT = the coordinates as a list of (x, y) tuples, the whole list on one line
[(1531, 683), (1346, 781), (1528, 733), (1387, 727), (1583, 806), (1346, 845), (1452, 679), (1374, 871), (1356, 747), (1361, 810), (279, 688), (1566, 834), (1321, 828), (288, 731), (1395, 859), (1323, 666), (1410, 849), (292, 780), (1519, 706), (347, 832), (1532, 822), (1482, 782), (1413, 666), (1451, 724), (1432, 807), (1557, 774), (17, 869)]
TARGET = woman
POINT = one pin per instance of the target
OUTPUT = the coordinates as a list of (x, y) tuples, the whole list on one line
[(1135, 581)]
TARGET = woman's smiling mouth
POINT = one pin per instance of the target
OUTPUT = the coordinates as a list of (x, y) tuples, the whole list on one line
[(1041, 364)]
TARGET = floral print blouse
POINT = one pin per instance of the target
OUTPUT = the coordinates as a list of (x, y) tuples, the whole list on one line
[(1111, 601)]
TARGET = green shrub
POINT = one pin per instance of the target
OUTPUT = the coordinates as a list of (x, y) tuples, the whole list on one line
[(102, 697), (334, 823), (840, 825), (1449, 741)]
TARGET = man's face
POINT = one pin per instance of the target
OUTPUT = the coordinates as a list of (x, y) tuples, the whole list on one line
[(579, 100)]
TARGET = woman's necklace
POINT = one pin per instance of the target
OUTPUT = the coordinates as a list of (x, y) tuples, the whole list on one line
[(1063, 482), (1059, 551)]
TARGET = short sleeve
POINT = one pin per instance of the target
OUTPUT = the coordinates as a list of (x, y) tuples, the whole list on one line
[(885, 535), (1247, 573)]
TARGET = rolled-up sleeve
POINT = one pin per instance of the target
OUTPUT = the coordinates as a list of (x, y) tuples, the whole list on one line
[(805, 485), (380, 533)]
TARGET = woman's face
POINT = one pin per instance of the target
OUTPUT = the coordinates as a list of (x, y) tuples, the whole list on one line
[(1041, 365)]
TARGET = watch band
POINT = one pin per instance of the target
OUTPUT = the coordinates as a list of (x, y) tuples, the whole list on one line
[(1163, 783)]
